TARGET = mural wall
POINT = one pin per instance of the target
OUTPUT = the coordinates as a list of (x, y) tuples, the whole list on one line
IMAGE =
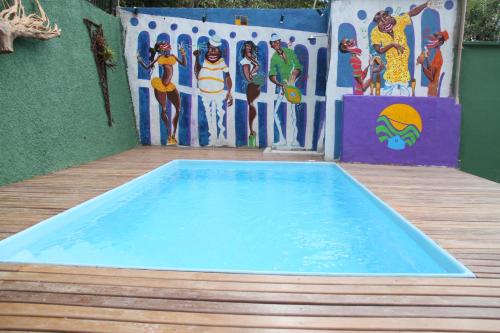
[(401, 48), (227, 77)]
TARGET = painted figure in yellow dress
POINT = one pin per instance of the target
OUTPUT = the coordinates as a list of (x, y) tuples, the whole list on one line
[(164, 87), (389, 38)]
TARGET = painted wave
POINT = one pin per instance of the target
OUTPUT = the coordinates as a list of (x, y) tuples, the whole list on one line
[(385, 131)]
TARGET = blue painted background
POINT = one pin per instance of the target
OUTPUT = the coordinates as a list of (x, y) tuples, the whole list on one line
[(294, 19)]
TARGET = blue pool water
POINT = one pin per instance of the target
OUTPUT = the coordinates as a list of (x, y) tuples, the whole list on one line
[(259, 217)]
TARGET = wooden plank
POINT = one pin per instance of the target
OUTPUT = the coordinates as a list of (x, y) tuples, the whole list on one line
[(252, 296), (262, 287), (246, 308), (248, 321), (49, 324)]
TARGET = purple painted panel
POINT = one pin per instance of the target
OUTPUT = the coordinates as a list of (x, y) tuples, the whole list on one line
[(401, 130)]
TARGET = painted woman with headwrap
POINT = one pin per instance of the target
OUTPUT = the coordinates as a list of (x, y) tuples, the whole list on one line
[(163, 87)]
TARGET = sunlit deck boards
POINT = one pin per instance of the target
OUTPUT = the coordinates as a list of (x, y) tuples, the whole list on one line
[(459, 211)]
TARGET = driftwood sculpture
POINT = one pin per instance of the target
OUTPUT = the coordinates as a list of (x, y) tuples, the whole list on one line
[(14, 22), (103, 57)]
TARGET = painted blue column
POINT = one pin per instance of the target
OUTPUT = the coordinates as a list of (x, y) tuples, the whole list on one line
[(303, 56), (144, 118), (184, 127), (143, 50), (301, 114), (321, 71), (185, 72), (241, 122), (319, 121), (203, 133), (262, 116), (282, 116)]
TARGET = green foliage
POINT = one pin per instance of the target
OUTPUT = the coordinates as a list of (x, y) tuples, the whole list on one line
[(225, 3), (483, 20)]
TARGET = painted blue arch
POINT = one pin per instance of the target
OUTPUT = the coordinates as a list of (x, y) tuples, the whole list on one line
[(226, 51), (321, 71), (262, 56), (240, 81), (143, 51), (431, 23), (202, 47), (371, 26), (185, 72), (303, 55), (410, 39), (344, 69)]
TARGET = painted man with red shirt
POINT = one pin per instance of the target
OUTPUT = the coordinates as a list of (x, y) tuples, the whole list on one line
[(360, 85), (432, 70)]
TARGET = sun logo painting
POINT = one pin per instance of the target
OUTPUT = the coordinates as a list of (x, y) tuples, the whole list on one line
[(400, 125)]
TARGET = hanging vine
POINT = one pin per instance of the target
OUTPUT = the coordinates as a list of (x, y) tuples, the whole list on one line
[(104, 59)]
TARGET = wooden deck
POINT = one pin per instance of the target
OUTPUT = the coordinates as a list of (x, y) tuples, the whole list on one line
[(459, 211)]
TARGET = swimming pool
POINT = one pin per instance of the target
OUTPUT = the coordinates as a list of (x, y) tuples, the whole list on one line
[(228, 216)]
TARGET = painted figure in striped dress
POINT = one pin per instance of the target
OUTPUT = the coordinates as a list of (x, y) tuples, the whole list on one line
[(360, 84), (164, 87), (212, 74)]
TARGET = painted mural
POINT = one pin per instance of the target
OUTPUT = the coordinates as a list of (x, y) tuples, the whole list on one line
[(389, 48), (393, 48), (197, 82)]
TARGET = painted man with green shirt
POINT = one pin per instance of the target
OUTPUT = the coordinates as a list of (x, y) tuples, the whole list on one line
[(286, 66)]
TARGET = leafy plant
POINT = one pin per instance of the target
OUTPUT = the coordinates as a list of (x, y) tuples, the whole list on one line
[(225, 3), (482, 20)]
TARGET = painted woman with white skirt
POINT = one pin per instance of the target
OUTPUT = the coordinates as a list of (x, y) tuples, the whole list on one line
[(253, 79)]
